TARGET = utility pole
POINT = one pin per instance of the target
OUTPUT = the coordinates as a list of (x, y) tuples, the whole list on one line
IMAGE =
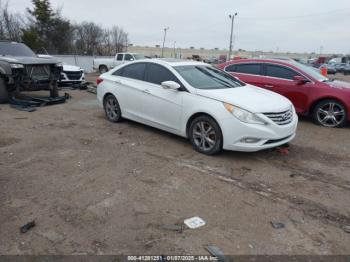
[(232, 17), (165, 30), (175, 49)]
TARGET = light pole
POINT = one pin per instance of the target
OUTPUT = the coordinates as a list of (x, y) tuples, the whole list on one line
[(232, 17), (165, 30), (175, 49)]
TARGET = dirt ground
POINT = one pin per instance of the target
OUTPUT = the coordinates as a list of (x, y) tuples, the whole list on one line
[(94, 187)]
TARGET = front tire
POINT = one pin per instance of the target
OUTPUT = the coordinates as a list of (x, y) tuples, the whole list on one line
[(205, 135), (4, 94), (112, 109), (330, 113)]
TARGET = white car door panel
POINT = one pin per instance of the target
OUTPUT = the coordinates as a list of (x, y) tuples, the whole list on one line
[(130, 90), (163, 106)]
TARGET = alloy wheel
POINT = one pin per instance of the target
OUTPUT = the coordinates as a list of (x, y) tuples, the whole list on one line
[(112, 108), (331, 114), (204, 136)]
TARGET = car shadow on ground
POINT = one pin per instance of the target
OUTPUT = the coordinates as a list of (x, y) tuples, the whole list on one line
[(184, 142)]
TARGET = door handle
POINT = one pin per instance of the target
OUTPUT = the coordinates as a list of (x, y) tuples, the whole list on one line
[(268, 86), (118, 81), (146, 91)]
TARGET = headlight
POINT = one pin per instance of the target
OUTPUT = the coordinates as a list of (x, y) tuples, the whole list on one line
[(244, 115), (16, 66)]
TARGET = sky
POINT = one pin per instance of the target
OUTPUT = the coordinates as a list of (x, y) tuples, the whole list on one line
[(267, 25)]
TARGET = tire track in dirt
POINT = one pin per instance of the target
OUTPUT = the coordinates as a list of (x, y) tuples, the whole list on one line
[(308, 207), (309, 173)]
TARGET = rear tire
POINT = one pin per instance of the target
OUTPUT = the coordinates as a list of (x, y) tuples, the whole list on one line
[(112, 109), (4, 94), (103, 69), (330, 113), (205, 135)]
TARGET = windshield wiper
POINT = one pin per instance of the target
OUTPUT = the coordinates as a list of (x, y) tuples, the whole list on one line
[(328, 80)]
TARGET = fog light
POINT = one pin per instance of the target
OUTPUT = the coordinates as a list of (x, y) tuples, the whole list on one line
[(250, 140)]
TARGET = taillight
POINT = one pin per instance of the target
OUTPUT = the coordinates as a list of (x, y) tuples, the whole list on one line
[(99, 81)]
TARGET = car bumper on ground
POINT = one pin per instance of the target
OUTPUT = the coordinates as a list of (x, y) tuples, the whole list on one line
[(239, 136)]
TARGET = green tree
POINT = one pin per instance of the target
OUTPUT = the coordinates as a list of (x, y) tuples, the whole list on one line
[(47, 29)]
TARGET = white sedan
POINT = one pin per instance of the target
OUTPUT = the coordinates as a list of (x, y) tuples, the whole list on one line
[(212, 109)]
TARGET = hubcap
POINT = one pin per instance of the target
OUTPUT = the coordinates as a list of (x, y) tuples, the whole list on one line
[(204, 136), (112, 108), (330, 115)]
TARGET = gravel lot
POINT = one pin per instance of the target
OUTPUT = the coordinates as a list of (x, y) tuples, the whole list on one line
[(94, 187)]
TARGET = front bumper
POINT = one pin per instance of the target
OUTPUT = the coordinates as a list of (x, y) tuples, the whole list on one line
[(72, 77), (240, 136)]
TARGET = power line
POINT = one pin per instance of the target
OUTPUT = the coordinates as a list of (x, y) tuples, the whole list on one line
[(332, 12)]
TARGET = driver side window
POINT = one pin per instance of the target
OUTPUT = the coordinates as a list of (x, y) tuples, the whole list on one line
[(280, 72), (158, 74)]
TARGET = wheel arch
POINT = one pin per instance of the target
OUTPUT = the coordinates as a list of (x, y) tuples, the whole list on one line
[(197, 114), (314, 103), (105, 96)]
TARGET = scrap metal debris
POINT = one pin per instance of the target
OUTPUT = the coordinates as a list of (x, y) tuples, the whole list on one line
[(176, 228), (277, 225), (215, 251), (27, 227), (30, 104), (346, 229), (91, 87)]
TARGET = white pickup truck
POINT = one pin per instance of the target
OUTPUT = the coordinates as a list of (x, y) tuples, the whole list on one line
[(104, 64)]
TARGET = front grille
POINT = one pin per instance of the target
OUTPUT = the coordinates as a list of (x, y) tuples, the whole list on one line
[(38, 72), (74, 75), (282, 118)]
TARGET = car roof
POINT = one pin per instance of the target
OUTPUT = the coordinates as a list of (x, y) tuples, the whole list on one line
[(173, 62), (263, 60)]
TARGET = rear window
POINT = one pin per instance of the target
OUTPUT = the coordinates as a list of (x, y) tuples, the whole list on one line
[(251, 69), (134, 71), (128, 57)]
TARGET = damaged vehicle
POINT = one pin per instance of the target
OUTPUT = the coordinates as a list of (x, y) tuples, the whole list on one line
[(71, 75), (22, 70)]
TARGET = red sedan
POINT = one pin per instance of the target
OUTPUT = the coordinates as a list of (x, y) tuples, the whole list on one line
[(327, 101)]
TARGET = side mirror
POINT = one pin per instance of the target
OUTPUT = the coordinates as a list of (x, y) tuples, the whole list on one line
[(171, 85), (300, 80), (131, 59)]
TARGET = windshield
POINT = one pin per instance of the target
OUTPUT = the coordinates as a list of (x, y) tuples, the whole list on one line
[(205, 77), (15, 49), (313, 72), (139, 57)]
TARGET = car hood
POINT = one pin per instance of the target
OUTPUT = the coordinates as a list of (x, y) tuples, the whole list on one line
[(251, 98), (71, 68), (27, 60), (339, 84)]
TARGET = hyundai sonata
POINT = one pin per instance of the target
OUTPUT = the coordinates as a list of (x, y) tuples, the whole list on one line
[(212, 109)]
